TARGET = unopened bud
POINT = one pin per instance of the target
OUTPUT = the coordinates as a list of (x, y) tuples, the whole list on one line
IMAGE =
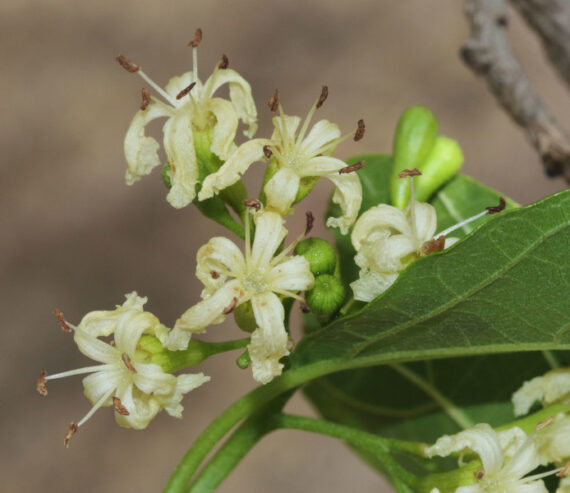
[(320, 255), (327, 296), (243, 361)]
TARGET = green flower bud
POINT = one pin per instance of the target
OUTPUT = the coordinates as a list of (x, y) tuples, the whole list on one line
[(243, 315), (171, 361), (415, 136), (243, 361), (320, 255), (327, 296), (441, 164)]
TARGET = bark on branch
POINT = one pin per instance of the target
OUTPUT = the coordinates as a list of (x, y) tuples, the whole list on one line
[(487, 53)]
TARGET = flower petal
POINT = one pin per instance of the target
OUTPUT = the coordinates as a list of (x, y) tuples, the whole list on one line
[(552, 387), (96, 385), (281, 190), (269, 234), (184, 383), (225, 129), (179, 147), (130, 329), (141, 407), (94, 348), (347, 194), (321, 136), (371, 284), (294, 274), (181, 82), (384, 218), (216, 257), (321, 165), (284, 129), (425, 220), (151, 379), (141, 152)]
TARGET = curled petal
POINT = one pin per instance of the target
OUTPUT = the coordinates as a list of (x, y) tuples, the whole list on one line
[(292, 275), (130, 329), (151, 379), (552, 387), (216, 258), (184, 384), (371, 284), (224, 132), (281, 190), (141, 407), (94, 348), (237, 164), (348, 195), (320, 138), (386, 255), (269, 234), (100, 383), (284, 130), (141, 152), (181, 82), (384, 218), (321, 165), (179, 147), (425, 220)]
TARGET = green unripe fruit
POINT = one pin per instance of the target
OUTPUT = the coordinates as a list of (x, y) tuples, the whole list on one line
[(243, 360), (244, 317), (327, 296), (320, 255), (415, 136), (441, 164), (170, 361)]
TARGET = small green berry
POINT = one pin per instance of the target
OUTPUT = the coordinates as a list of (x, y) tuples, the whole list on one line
[(327, 296), (320, 255)]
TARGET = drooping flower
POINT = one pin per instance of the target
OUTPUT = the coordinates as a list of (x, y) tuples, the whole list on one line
[(190, 107), (297, 159), (550, 388), (136, 389), (260, 277), (506, 456)]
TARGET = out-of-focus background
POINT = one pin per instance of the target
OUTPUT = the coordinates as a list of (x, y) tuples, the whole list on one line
[(76, 238)]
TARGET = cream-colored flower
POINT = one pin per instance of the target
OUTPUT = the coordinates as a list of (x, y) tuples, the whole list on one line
[(138, 390), (506, 459), (564, 485), (553, 387), (299, 159), (190, 106), (553, 442), (261, 277)]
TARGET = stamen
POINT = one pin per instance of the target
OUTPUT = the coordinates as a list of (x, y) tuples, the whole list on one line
[(497, 208), (224, 63), (267, 152), (95, 407), (70, 432), (564, 471), (231, 307), (310, 220), (488, 210), (544, 423), (197, 39), (145, 99), (63, 324), (323, 97), (359, 131), (127, 64), (434, 245), (185, 91), (41, 384), (118, 406), (352, 167), (157, 88), (128, 363), (304, 307), (273, 102), (214, 274), (78, 371), (479, 475), (252, 204), (409, 172)]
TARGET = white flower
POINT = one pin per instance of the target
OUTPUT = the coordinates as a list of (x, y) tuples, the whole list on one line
[(564, 485), (552, 387), (138, 390), (191, 106), (506, 459), (553, 441), (230, 279), (299, 159)]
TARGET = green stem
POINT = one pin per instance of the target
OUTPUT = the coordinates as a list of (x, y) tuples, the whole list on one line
[(551, 359), (456, 414)]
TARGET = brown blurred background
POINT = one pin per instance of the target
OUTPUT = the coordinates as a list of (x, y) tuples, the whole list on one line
[(76, 238)]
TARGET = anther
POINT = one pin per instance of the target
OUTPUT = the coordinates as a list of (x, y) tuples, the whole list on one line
[(145, 99), (185, 91), (118, 406), (304, 307), (310, 220), (359, 131), (351, 168), (70, 432), (435, 245), (497, 208), (231, 307), (128, 363), (252, 204), (197, 39), (544, 423), (63, 324), (564, 471), (273, 102), (41, 384), (224, 63), (323, 97), (127, 64), (267, 152), (214, 274), (479, 475), (409, 172)]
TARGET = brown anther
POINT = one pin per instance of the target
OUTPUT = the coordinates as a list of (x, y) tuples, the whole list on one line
[(304, 307), (323, 97), (479, 475), (62, 323), (225, 62), (544, 423), (351, 168), (127, 64), (185, 91), (497, 208), (252, 204), (409, 172), (70, 432), (310, 220), (267, 152), (197, 39), (359, 131), (214, 274), (502, 21), (128, 363), (565, 470), (118, 406), (41, 384), (435, 245), (145, 99), (273, 102), (231, 307)]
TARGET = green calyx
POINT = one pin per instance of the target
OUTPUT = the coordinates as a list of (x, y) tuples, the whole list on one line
[(320, 255), (448, 482), (327, 296)]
